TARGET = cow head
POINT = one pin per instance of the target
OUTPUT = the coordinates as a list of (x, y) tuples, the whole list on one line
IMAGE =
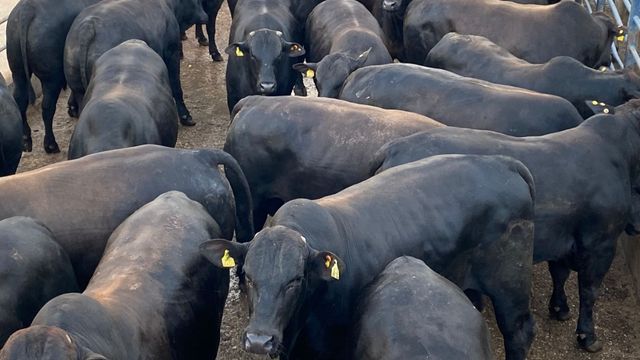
[(262, 51), (189, 12), (332, 71), (395, 5), (45, 343), (281, 271)]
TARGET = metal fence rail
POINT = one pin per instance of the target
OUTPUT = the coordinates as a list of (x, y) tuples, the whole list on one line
[(3, 20)]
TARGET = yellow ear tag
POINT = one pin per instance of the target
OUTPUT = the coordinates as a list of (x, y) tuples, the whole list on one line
[(239, 52), (335, 272), (294, 48), (606, 111), (327, 261), (310, 74), (594, 102), (620, 38), (227, 260)]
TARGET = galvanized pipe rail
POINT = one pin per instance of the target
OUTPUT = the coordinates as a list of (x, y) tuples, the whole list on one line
[(2, 21)]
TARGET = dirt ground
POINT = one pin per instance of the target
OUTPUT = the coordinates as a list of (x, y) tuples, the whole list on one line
[(617, 311)]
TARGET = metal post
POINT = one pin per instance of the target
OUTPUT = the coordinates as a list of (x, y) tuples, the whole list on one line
[(633, 28)]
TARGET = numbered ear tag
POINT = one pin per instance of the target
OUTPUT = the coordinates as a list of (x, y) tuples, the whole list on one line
[(227, 260), (335, 272), (295, 47), (327, 261), (620, 38), (239, 52), (310, 73), (606, 111)]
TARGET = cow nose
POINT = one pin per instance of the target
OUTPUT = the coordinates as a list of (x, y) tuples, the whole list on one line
[(267, 87), (258, 344), (389, 5)]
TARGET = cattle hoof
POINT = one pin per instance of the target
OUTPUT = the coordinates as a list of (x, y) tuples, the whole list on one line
[(73, 111), (187, 120), (203, 42), (589, 344), (217, 57), (27, 144), (559, 314), (183, 36), (51, 148)]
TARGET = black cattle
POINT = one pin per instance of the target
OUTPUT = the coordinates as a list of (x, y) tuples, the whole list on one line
[(105, 25), (264, 44), (211, 7), (34, 269), (410, 312), (534, 33), (153, 295), (82, 201), (478, 57), (10, 132), (291, 147), (459, 101), (340, 37), (587, 183), (480, 235), (126, 103), (36, 32)]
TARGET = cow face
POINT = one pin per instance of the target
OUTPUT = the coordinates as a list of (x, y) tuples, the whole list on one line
[(262, 52), (281, 272), (190, 12), (332, 71), (45, 343)]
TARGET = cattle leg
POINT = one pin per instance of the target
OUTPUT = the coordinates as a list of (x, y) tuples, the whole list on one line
[(558, 308), (72, 105), (298, 88), (202, 40), (591, 272), (173, 66), (50, 94), (21, 97), (211, 31)]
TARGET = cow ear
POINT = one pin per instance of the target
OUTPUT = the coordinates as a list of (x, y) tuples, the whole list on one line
[(360, 60), (327, 265), (599, 107), (307, 69), (621, 31), (236, 49), (90, 355), (224, 253), (293, 49)]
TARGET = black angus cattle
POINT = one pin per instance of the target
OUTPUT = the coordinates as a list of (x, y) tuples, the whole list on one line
[(211, 7), (105, 25), (153, 295), (535, 33), (264, 44), (10, 132), (587, 185), (34, 269), (292, 147), (411, 312), (340, 37), (459, 101), (478, 57), (126, 103), (36, 32), (82, 201), (480, 236)]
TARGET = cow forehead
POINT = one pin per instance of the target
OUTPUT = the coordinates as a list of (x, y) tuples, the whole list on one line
[(266, 42), (280, 254)]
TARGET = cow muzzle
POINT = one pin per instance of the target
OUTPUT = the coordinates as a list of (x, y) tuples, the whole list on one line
[(260, 344), (267, 87), (390, 5)]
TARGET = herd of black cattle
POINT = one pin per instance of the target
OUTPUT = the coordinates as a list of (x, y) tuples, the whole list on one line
[(534, 155)]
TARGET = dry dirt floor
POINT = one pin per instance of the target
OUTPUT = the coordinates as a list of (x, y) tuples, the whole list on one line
[(617, 311)]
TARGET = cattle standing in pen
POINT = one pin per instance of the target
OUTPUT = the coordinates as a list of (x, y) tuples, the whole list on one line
[(34, 269), (110, 22), (410, 312), (265, 41), (587, 185), (116, 183), (586, 37), (153, 296), (126, 104), (291, 147), (10, 132), (36, 32), (459, 101), (306, 270), (211, 7), (341, 36), (478, 57)]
